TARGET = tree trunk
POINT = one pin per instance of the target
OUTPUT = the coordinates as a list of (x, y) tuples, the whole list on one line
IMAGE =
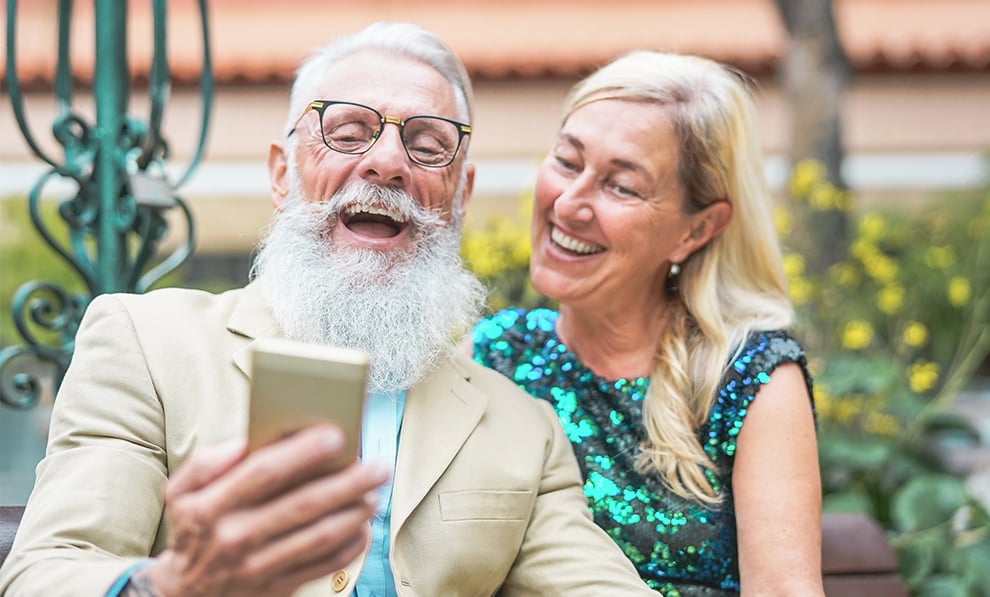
[(815, 74)]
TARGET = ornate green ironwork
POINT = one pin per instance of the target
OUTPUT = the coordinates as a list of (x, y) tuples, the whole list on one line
[(116, 218)]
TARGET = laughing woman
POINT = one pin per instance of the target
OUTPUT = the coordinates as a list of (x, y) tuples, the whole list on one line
[(686, 401)]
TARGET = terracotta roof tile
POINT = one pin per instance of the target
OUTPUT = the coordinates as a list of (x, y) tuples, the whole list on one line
[(259, 41), (916, 34)]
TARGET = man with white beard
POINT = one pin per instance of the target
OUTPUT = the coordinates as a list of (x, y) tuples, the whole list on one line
[(470, 486), (399, 307)]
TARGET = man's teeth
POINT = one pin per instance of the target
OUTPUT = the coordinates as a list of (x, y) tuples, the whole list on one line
[(572, 244), (375, 211)]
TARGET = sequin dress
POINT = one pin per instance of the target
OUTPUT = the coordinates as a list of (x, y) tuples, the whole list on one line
[(679, 547)]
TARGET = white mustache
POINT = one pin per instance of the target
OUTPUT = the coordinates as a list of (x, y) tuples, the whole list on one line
[(368, 195)]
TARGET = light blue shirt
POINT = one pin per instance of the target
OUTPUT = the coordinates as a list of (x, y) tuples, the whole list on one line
[(379, 443), (125, 578)]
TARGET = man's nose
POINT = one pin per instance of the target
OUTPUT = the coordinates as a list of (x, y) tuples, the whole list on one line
[(387, 161)]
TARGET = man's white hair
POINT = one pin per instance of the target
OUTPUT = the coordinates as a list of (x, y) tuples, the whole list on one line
[(401, 39)]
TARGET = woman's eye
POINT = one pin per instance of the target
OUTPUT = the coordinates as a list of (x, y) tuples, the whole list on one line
[(566, 164), (624, 191)]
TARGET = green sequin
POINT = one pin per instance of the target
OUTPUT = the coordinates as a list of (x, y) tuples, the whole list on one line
[(679, 547)]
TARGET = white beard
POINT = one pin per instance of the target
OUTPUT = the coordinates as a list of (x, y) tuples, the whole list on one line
[(405, 309)]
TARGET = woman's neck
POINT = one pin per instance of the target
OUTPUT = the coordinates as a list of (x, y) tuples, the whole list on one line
[(609, 346)]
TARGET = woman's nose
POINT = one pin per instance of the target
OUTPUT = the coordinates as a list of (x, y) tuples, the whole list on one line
[(575, 203)]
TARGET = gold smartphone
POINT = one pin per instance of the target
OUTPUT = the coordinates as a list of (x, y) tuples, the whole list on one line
[(294, 385)]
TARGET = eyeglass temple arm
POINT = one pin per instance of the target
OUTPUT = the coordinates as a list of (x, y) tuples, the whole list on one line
[(314, 105)]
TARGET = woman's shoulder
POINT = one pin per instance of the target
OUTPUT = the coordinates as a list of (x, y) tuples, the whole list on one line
[(500, 340), (749, 369), (763, 351), (767, 349), (512, 321)]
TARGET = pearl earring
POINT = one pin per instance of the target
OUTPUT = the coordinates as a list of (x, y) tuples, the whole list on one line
[(673, 278)]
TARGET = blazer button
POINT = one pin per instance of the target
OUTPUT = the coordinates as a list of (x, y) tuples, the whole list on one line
[(338, 582)]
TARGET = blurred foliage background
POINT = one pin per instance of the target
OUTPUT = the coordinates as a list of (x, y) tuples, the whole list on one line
[(896, 331)]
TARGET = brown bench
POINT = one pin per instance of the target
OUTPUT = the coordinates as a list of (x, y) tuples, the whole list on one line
[(856, 560), (10, 517)]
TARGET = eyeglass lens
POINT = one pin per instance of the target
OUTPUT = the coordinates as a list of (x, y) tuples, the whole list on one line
[(429, 141)]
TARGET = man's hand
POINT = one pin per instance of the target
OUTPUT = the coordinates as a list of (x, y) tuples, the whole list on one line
[(264, 523)]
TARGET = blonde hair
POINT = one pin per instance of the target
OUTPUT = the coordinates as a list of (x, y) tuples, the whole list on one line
[(729, 288)]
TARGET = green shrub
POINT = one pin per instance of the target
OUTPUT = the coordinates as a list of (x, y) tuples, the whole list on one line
[(895, 331)]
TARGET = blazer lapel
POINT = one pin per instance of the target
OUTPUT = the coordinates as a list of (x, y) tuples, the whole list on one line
[(440, 415), (251, 318)]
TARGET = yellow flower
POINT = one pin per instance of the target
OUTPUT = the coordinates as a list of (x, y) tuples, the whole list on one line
[(857, 334), (800, 290), (482, 254), (890, 299), (845, 200), (807, 173), (846, 410), (922, 376), (783, 223), (793, 265), (824, 403), (500, 246), (505, 232), (940, 257), (959, 291), (915, 334), (824, 197), (862, 249), (526, 207), (872, 226), (845, 274), (881, 424), (881, 268), (521, 251)]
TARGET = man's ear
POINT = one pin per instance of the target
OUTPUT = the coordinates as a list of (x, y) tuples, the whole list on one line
[(468, 188), (278, 174)]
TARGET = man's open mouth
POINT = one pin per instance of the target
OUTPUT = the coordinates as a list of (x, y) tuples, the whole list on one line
[(373, 221)]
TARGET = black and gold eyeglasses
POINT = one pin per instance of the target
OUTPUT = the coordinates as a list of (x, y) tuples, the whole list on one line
[(350, 128)]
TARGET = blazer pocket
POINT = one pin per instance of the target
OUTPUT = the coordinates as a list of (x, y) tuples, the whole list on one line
[(486, 505)]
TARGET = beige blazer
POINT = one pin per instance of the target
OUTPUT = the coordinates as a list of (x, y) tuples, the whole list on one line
[(487, 495)]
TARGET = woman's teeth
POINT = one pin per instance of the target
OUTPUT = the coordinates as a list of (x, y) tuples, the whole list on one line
[(572, 244)]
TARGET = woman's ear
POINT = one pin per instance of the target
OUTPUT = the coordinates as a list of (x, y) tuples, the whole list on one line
[(711, 221), (705, 225), (278, 174)]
